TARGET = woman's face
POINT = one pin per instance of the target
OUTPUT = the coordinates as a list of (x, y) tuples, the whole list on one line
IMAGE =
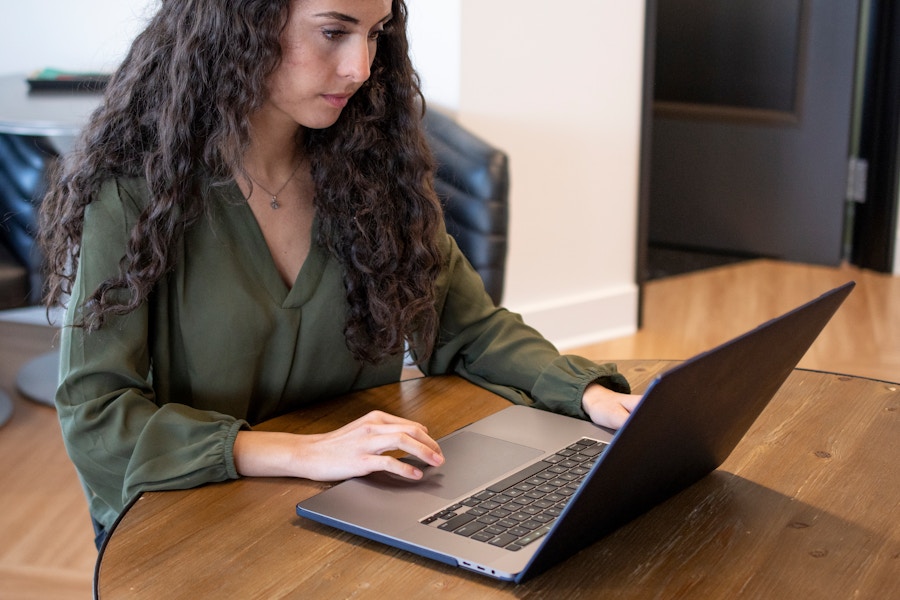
[(327, 50)]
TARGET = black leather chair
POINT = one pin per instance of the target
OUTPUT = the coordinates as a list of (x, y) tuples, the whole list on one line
[(472, 181), (23, 165)]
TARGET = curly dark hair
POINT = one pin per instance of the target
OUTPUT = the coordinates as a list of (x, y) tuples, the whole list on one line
[(175, 113)]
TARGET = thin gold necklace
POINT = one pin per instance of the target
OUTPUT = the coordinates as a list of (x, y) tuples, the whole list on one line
[(274, 201)]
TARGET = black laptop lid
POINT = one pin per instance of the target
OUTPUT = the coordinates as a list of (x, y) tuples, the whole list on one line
[(686, 425)]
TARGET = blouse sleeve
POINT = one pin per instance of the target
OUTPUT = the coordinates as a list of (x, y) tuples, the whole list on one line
[(495, 349), (120, 439)]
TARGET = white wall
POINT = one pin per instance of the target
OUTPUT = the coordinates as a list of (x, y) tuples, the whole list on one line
[(86, 35), (562, 95), (558, 86), (434, 39)]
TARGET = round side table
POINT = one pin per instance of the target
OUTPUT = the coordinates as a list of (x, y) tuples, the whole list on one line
[(37, 379)]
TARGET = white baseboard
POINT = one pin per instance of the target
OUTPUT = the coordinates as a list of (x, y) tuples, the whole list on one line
[(585, 319)]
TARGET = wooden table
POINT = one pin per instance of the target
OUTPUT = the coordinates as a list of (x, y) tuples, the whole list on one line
[(805, 507)]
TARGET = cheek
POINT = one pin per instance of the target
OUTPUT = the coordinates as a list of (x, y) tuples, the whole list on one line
[(288, 79)]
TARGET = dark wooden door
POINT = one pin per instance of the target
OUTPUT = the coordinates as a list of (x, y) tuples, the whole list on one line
[(751, 128)]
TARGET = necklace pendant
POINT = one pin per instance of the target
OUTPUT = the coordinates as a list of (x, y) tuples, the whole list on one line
[(274, 203)]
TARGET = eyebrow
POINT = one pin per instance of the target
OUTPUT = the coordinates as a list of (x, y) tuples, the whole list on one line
[(339, 16)]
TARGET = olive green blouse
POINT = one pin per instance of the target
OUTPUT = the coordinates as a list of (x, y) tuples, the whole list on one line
[(154, 399)]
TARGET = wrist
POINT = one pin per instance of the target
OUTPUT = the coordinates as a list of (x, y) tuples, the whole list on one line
[(265, 454)]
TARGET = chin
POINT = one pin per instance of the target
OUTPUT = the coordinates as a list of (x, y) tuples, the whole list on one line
[(320, 121)]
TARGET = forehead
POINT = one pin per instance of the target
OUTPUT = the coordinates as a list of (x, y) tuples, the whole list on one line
[(362, 11)]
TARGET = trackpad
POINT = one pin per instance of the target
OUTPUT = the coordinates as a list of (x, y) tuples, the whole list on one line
[(471, 460)]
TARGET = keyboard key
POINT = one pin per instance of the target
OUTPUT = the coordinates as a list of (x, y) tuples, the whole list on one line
[(503, 540), (594, 450), (534, 535), (469, 529), (457, 521), (526, 473)]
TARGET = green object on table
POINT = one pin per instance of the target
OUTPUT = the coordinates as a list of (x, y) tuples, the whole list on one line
[(58, 79)]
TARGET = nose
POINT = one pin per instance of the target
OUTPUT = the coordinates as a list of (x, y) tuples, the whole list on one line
[(356, 63)]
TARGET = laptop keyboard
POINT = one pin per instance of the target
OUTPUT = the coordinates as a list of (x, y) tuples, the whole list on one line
[(521, 508)]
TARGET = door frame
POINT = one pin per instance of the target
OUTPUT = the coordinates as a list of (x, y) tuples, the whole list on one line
[(642, 271), (874, 222)]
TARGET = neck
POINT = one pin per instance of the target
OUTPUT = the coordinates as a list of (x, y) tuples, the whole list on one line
[(274, 151)]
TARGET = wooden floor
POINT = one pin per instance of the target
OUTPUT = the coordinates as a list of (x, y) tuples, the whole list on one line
[(46, 547), (687, 314)]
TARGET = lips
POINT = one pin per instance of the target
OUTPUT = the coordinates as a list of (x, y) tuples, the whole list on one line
[(337, 100)]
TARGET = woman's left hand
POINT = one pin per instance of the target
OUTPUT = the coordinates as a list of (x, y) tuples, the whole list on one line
[(606, 407)]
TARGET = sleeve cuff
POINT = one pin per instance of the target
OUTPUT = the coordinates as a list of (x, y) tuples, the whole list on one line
[(561, 385), (230, 437)]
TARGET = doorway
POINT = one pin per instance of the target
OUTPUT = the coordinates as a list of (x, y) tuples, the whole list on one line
[(748, 131)]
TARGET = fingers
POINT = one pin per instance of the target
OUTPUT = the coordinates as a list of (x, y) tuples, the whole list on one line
[(630, 401), (365, 442), (608, 408), (615, 417), (387, 433)]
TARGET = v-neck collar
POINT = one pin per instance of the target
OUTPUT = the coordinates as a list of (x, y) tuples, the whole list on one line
[(259, 255)]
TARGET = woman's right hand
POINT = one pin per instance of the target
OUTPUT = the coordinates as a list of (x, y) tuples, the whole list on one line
[(355, 449)]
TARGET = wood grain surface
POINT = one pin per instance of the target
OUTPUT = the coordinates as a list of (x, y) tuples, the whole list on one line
[(806, 506)]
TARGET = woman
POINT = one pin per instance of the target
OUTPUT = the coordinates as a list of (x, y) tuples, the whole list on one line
[(251, 226)]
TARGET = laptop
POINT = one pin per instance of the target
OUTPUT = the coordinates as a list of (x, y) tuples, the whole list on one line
[(524, 489)]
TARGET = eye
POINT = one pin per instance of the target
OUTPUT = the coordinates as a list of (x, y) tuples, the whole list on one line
[(375, 35), (333, 34)]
